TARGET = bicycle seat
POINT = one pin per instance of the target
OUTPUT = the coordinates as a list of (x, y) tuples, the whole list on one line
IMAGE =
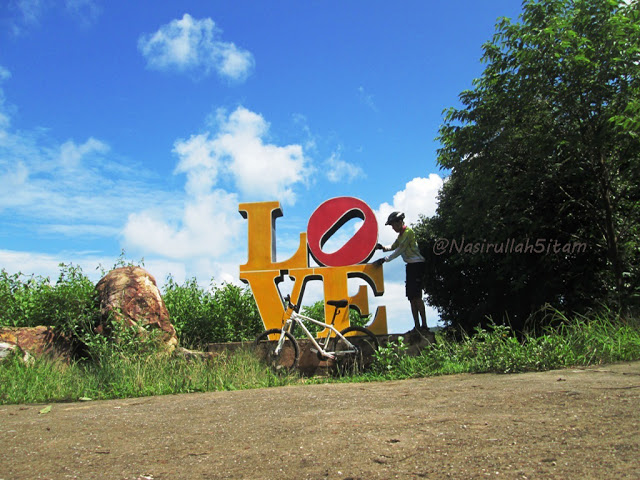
[(338, 303)]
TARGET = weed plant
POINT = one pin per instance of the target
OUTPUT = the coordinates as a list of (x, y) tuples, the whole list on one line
[(125, 363), (44, 380), (576, 341)]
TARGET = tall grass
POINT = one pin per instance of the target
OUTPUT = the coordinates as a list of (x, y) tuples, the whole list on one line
[(576, 341), (44, 380), (130, 371)]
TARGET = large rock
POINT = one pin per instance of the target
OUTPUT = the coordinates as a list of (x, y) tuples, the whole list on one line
[(35, 341), (131, 295)]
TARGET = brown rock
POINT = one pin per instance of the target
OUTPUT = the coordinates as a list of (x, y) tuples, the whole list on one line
[(131, 295), (37, 341), (7, 349), (194, 354)]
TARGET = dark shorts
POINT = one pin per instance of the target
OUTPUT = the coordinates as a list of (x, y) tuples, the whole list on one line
[(415, 277)]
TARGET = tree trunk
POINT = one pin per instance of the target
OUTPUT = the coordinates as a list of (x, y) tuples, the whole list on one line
[(612, 238)]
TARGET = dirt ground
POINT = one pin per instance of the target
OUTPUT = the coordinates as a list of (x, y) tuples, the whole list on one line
[(563, 424)]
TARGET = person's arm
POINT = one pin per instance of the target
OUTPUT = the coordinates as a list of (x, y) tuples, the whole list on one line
[(398, 247), (379, 246)]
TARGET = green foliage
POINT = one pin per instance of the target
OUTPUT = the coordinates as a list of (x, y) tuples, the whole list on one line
[(69, 305), (44, 380), (220, 314), (119, 341), (315, 311), (578, 341), (389, 356), (223, 313), (124, 373), (545, 146)]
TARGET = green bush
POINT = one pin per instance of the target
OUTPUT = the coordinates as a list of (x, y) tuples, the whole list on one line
[(69, 305), (223, 313)]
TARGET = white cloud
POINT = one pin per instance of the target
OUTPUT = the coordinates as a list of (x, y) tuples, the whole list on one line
[(68, 187), (340, 171), (81, 230), (236, 150), (29, 13), (198, 159), (234, 62), (192, 45), (71, 155), (92, 265), (23, 262), (30, 10), (205, 231), (47, 265), (209, 226), (419, 197), (4, 114), (260, 170), (48, 181)]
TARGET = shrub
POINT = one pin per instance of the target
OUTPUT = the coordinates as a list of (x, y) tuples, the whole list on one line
[(223, 313), (69, 305)]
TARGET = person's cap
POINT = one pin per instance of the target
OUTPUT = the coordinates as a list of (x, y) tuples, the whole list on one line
[(394, 217)]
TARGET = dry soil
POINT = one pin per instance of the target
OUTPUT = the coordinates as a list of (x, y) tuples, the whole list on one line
[(563, 424)]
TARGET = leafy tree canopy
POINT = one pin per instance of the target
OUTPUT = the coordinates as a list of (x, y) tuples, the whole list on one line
[(545, 149)]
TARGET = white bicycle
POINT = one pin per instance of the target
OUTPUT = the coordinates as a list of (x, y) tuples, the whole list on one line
[(350, 350)]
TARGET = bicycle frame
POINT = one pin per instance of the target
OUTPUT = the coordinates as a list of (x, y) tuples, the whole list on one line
[(295, 317)]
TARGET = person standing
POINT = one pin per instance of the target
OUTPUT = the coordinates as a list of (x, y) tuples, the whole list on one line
[(407, 246)]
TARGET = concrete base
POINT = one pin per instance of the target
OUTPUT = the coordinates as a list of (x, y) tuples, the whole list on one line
[(309, 364)]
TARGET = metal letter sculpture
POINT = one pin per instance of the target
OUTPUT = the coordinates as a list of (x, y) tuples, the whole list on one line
[(263, 273)]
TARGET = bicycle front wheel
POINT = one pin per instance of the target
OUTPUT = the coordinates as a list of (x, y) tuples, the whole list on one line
[(358, 359), (286, 359)]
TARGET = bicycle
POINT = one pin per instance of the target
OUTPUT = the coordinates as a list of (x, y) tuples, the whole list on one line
[(349, 350)]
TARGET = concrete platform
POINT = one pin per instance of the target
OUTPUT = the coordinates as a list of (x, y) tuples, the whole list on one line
[(310, 365)]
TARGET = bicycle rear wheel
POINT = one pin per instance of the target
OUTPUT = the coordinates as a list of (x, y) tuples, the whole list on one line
[(360, 360), (284, 361)]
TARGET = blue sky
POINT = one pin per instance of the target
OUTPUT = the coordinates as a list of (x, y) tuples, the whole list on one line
[(142, 125)]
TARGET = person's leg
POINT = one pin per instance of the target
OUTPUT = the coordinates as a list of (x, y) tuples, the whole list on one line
[(418, 311), (415, 312), (415, 272)]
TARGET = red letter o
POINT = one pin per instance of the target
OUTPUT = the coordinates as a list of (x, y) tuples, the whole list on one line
[(327, 220)]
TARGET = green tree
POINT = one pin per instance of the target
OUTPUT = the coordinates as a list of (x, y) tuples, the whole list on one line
[(545, 146)]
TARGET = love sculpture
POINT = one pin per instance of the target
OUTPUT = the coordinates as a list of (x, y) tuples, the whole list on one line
[(264, 273)]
